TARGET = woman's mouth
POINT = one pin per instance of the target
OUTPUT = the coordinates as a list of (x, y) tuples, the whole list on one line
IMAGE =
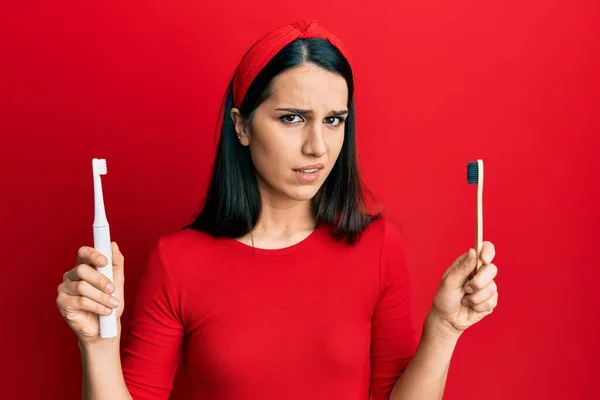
[(309, 173)]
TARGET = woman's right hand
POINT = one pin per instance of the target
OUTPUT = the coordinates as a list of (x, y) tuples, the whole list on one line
[(85, 293)]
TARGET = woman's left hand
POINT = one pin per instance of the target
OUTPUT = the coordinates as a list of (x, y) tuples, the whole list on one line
[(459, 302)]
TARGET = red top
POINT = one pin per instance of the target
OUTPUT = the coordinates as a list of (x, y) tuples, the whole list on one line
[(317, 320)]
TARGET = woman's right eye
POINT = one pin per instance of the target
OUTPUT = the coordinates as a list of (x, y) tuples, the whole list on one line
[(290, 119)]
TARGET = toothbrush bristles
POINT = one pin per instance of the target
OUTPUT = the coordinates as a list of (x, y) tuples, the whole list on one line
[(472, 172), (101, 166)]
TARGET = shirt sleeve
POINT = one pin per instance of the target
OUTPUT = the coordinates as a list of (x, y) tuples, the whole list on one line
[(393, 340), (151, 354)]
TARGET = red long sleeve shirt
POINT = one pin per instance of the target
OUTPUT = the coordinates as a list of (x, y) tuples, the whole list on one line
[(317, 320)]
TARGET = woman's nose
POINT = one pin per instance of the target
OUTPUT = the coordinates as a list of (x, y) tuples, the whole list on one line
[(314, 144)]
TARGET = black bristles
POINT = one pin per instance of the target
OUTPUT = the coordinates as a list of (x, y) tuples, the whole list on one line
[(472, 172)]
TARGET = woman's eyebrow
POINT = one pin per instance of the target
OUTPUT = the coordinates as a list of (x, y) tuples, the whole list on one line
[(303, 111)]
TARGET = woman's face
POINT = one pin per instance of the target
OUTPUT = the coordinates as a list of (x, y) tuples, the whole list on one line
[(296, 135)]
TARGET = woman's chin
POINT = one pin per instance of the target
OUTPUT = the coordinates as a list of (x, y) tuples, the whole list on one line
[(304, 192)]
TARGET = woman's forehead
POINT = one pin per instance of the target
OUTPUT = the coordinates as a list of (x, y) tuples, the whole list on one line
[(309, 86)]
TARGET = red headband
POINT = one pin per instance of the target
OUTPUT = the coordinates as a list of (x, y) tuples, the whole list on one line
[(269, 45)]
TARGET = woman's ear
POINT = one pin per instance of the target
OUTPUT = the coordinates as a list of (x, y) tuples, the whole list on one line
[(241, 127)]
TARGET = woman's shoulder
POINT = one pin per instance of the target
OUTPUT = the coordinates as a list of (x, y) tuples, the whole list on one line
[(185, 256), (393, 249), (384, 230), (186, 236), (185, 243)]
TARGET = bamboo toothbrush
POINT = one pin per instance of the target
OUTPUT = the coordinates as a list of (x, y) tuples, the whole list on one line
[(475, 176)]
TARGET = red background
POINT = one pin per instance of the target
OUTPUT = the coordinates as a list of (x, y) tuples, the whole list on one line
[(439, 83)]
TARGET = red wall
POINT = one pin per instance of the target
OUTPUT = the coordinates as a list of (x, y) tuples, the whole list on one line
[(438, 84)]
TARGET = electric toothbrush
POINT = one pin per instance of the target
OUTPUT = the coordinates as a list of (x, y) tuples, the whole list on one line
[(108, 323)]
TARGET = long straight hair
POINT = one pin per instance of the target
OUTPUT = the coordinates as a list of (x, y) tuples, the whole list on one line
[(232, 205)]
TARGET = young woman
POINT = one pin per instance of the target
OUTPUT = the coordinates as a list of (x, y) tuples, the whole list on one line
[(284, 287)]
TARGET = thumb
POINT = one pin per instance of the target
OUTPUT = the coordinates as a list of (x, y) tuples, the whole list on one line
[(118, 261), (461, 268)]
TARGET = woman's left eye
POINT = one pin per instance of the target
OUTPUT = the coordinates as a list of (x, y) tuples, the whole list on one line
[(335, 121)]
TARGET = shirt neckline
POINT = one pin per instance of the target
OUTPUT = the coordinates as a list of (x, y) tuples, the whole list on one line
[(248, 249)]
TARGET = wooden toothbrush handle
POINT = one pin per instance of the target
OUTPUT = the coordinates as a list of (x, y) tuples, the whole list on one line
[(479, 219)]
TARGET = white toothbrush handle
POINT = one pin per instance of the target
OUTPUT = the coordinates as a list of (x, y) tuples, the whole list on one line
[(108, 323)]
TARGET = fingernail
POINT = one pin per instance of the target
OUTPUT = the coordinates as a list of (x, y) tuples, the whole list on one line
[(464, 301), (110, 287), (113, 302), (468, 289), (102, 261), (108, 310)]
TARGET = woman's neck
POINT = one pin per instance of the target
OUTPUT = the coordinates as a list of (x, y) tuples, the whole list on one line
[(281, 224)]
